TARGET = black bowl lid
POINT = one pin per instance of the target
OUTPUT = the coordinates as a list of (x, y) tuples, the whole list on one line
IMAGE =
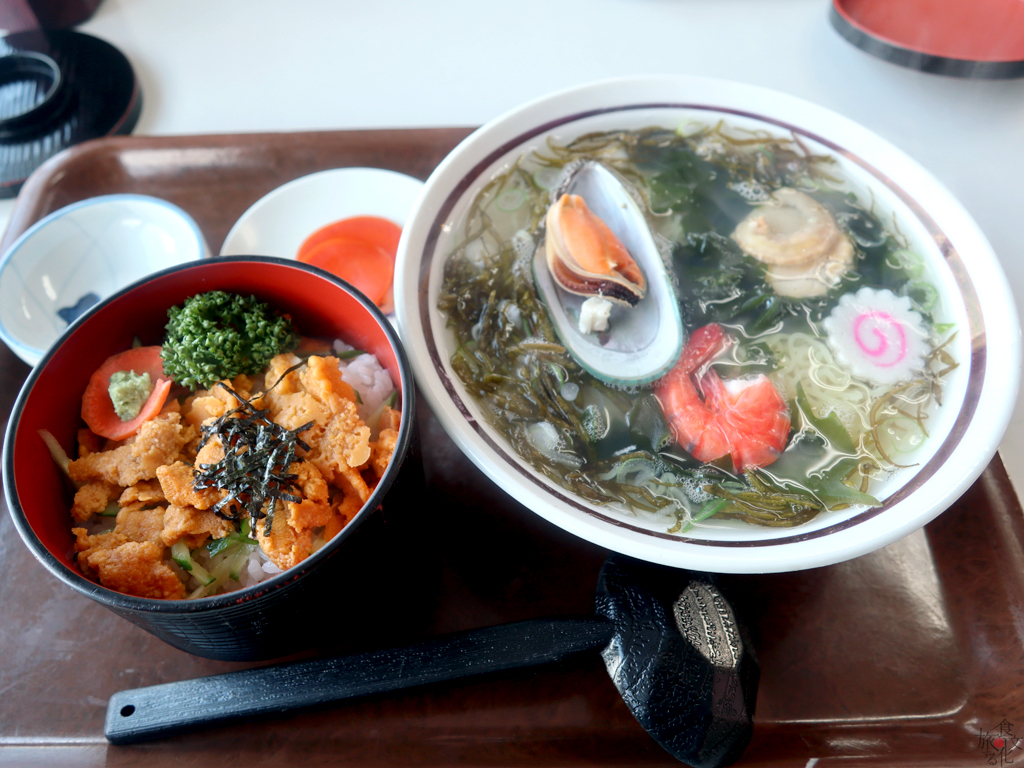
[(57, 89)]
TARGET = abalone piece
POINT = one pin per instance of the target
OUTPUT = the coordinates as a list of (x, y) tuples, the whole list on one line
[(798, 239)]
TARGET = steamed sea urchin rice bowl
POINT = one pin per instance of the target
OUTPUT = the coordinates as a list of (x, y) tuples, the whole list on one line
[(235, 478)]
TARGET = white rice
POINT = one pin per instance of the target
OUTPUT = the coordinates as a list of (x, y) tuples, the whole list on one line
[(367, 377), (259, 568)]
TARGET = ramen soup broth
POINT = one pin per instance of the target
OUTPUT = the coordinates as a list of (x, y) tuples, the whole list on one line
[(511, 203)]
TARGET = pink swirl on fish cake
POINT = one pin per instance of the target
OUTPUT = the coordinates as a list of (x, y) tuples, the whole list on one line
[(879, 329), (877, 336)]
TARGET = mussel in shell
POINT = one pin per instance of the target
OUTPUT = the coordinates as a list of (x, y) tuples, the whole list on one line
[(586, 258), (598, 247)]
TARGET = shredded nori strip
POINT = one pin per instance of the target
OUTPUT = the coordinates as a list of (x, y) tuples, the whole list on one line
[(257, 456)]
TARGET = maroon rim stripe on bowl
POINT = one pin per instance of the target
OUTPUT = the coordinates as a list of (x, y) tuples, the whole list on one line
[(976, 377)]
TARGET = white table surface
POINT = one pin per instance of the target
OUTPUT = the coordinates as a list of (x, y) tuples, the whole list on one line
[(227, 66)]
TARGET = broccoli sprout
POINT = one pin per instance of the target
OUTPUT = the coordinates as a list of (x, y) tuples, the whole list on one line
[(219, 335)]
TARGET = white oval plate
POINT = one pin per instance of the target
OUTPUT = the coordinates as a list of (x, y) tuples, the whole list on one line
[(279, 222), (82, 253)]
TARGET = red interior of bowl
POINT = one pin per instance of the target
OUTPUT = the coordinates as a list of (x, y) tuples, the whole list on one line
[(979, 30), (318, 306)]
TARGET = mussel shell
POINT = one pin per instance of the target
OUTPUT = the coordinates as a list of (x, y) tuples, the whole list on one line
[(643, 342)]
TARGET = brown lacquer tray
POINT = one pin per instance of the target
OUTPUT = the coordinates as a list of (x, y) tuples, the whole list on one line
[(913, 655)]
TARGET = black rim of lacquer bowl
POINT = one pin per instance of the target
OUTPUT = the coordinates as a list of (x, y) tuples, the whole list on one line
[(42, 92)]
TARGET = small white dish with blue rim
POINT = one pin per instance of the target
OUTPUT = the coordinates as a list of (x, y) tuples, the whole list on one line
[(76, 256)]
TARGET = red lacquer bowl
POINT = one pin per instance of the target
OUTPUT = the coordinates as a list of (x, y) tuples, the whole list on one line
[(278, 616), (977, 39)]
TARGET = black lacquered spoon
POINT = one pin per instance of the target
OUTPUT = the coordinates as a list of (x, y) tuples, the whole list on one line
[(669, 639)]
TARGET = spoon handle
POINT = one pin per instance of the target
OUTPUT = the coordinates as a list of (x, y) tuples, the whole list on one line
[(161, 710)]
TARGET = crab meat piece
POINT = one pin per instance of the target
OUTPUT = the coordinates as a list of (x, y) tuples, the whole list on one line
[(799, 241), (586, 258)]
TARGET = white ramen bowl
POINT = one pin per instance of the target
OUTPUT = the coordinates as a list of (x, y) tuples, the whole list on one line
[(978, 396), (78, 255)]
